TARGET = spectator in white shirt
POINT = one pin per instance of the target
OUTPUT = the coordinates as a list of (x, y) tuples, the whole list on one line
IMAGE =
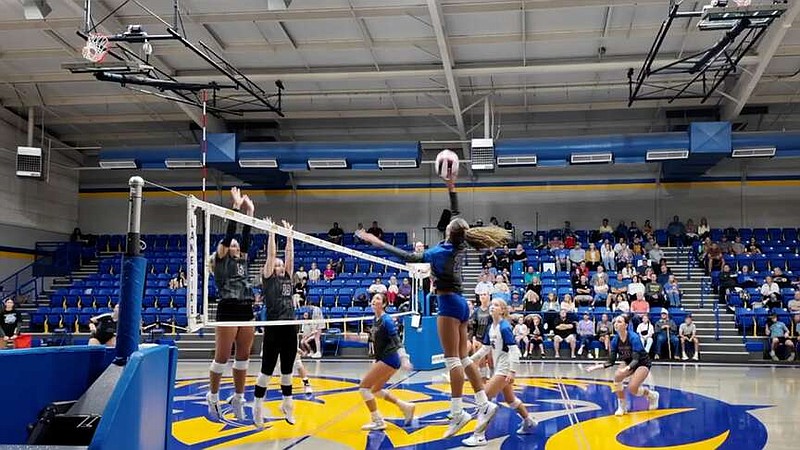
[(377, 287), (314, 273), (771, 293), (608, 255), (646, 332), (621, 304), (635, 287), (628, 271), (484, 285), (656, 254), (576, 255), (568, 304), (500, 285)]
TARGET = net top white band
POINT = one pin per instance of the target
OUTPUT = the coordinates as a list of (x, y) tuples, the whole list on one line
[(268, 323)]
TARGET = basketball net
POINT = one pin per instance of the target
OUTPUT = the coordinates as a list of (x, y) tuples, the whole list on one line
[(96, 47)]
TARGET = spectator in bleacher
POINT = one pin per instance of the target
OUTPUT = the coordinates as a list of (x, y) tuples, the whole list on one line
[(503, 260), (688, 333), (725, 246), (603, 330), (676, 232), (519, 254), (314, 274), (581, 270), (600, 288), (570, 241), (654, 291), (532, 301), (621, 304), (484, 285), (562, 259), (621, 231), (494, 222), (301, 290), (691, 231), (604, 228), (703, 231), (771, 293), (656, 254), (746, 278), (489, 257), (521, 336), (794, 304), (634, 231), (637, 248), (666, 332), (419, 247), (737, 248), (299, 275), (628, 271), (779, 335), (618, 286), (640, 306), (329, 274), (529, 275), (645, 332), (568, 303), (104, 328), (618, 246), (647, 229), (624, 257), (564, 329), (608, 255), (536, 334), (392, 290), (753, 248), (567, 230), (336, 234), (727, 281), (552, 303), (663, 275), (508, 225), (338, 266), (178, 281), (375, 230), (577, 255), (672, 292), (377, 287), (500, 285), (583, 292), (714, 258), (404, 291), (599, 274), (649, 243), (781, 279), (540, 243), (585, 335), (10, 322), (593, 257), (517, 303), (635, 287), (535, 285)]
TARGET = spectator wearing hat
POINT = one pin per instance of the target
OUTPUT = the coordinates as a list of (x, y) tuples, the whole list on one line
[(666, 333)]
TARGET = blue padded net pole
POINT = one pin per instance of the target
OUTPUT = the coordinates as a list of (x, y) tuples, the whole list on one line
[(132, 283)]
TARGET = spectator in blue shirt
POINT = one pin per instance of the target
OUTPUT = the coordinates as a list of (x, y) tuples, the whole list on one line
[(779, 335)]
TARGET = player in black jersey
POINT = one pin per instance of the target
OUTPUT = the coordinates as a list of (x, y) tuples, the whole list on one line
[(235, 294), (627, 345), (104, 328), (279, 340), (479, 323), (389, 357)]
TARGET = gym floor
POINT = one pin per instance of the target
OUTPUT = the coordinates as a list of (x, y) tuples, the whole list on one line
[(701, 407)]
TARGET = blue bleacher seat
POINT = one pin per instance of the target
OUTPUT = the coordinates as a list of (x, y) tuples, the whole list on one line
[(149, 316), (38, 318)]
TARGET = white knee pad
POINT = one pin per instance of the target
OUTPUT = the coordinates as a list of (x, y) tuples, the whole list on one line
[(515, 403), (262, 380), (366, 394), (217, 368), (452, 363), (241, 365), (466, 362), (286, 379), (228, 365)]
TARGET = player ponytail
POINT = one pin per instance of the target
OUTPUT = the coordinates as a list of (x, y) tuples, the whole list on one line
[(479, 238)]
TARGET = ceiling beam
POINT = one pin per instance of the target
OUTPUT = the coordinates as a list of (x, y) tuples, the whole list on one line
[(744, 87), (437, 21)]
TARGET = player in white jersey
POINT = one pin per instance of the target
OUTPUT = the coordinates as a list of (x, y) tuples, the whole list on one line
[(499, 340)]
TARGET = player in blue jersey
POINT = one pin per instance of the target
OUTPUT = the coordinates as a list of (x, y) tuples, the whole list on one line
[(390, 356), (446, 260), (627, 345)]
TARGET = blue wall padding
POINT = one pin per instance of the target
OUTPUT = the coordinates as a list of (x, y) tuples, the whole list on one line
[(422, 344), (130, 305), (139, 412), (39, 376)]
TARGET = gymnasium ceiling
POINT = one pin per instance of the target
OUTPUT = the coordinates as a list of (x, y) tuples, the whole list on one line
[(378, 69)]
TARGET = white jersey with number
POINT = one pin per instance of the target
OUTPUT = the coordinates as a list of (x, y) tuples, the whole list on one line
[(505, 353)]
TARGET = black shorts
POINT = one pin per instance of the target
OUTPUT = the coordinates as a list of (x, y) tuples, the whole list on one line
[(234, 311), (103, 338)]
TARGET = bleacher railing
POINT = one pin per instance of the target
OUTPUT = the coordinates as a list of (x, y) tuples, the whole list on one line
[(22, 285)]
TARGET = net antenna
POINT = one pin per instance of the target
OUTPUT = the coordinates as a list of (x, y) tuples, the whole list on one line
[(199, 217)]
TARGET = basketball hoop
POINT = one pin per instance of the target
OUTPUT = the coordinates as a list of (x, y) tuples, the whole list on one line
[(96, 47)]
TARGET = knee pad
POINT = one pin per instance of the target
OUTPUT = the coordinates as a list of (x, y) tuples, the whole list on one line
[(515, 403), (241, 365), (217, 368), (286, 379), (466, 362), (229, 365), (452, 363), (262, 380), (366, 394), (616, 387)]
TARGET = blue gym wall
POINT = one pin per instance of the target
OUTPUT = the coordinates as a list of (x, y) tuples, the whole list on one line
[(409, 200)]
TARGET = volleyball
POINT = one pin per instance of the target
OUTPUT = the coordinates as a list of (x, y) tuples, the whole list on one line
[(447, 164)]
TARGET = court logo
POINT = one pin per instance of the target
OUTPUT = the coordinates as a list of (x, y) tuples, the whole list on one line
[(572, 414)]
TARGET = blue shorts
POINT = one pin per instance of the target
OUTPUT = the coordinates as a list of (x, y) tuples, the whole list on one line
[(453, 305), (392, 360)]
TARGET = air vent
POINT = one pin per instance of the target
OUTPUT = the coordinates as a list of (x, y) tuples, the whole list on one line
[(397, 163), (761, 152), (183, 163), (664, 155), (258, 163), (29, 162), (118, 164), (482, 154), (520, 160), (327, 164), (591, 158)]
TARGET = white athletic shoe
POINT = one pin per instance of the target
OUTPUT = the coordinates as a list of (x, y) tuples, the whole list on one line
[(408, 412), (475, 441), (308, 390), (653, 400), (237, 403), (684, 357), (621, 410), (287, 408), (375, 425), (457, 422), (774, 356), (527, 427), (791, 357), (214, 411), (695, 357), (316, 355), (485, 415), (258, 412)]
